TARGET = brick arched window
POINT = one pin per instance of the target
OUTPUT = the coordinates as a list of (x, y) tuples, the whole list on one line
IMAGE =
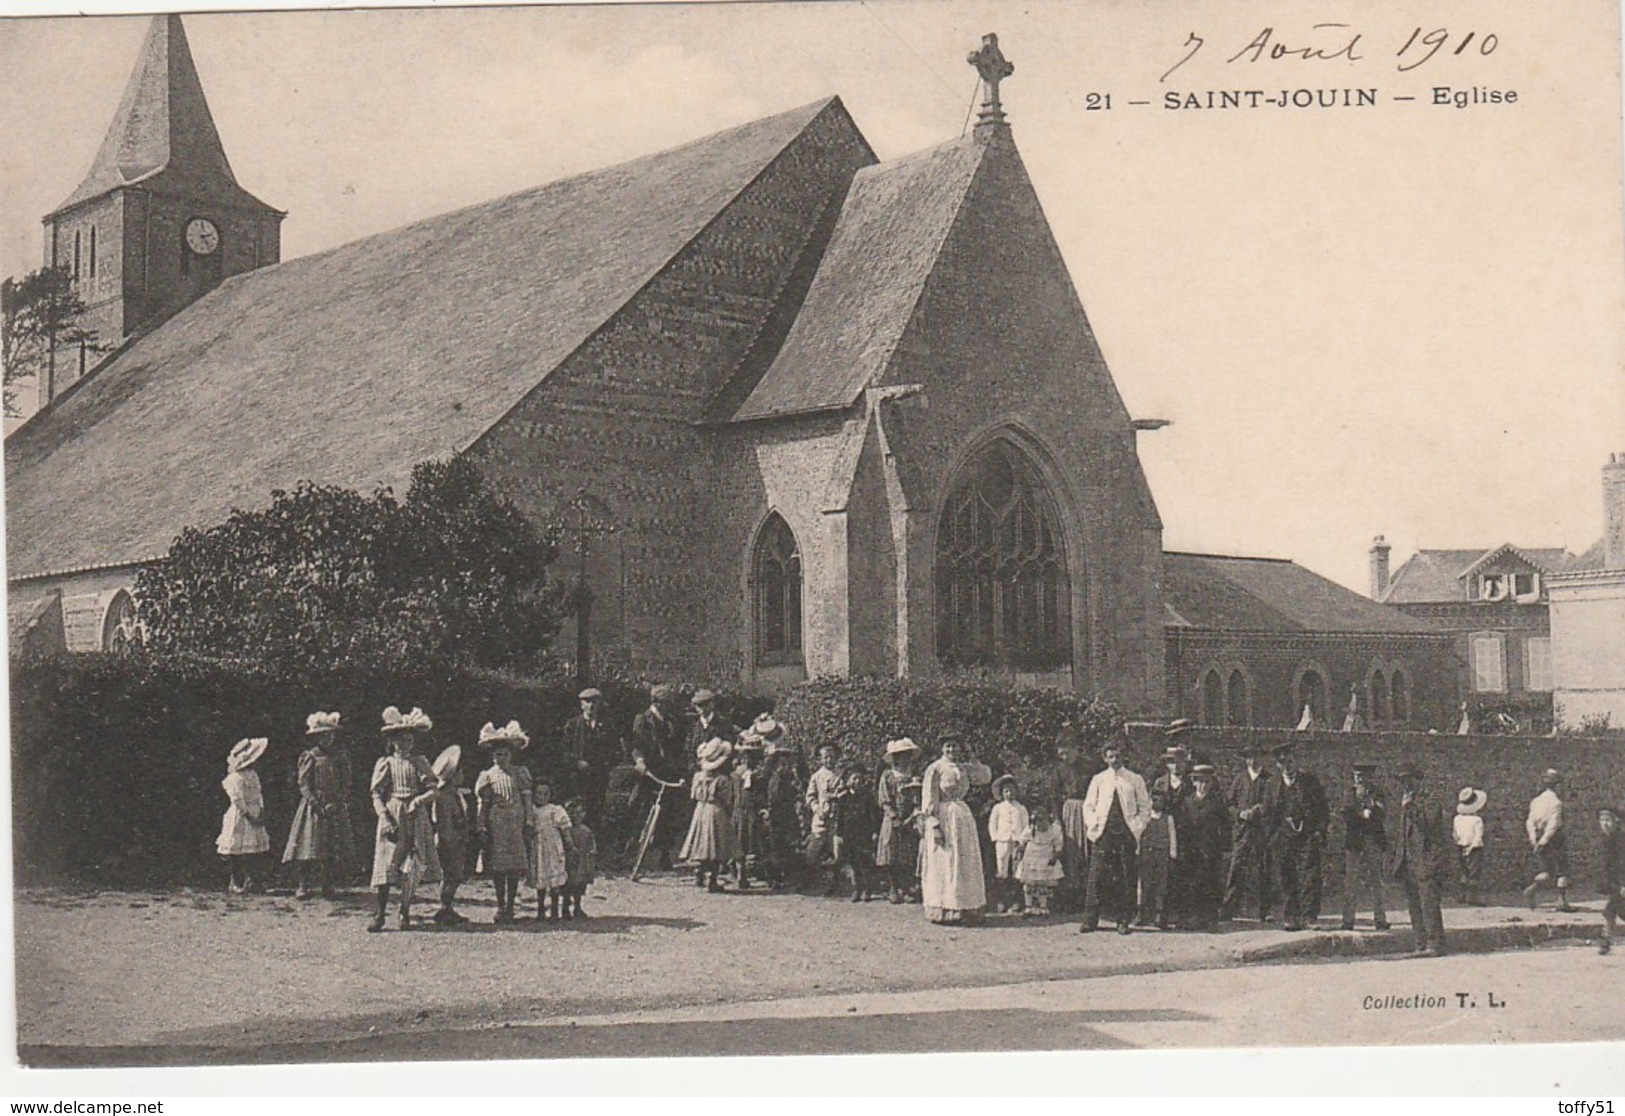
[(121, 630), (1380, 709), (1239, 699), (1310, 689), (1212, 699), (1002, 590), (776, 576), (1399, 695)]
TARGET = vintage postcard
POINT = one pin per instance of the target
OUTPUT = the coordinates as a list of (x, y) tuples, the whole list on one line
[(701, 530)]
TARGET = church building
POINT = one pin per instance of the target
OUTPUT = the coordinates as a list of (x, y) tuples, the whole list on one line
[(830, 415)]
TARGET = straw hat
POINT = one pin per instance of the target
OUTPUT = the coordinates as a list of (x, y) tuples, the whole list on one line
[(244, 753), (1470, 801), (1001, 782), (445, 764), (901, 746), (415, 721), (663, 692), (766, 727), (714, 753), (509, 736), (319, 723), (1202, 771), (591, 693), (702, 696)]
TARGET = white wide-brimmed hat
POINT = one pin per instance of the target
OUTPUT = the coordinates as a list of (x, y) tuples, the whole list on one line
[(714, 753), (319, 723), (901, 746), (1470, 801), (766, 727), (415, 721), (445, 764), (508, 736), (244, 753)]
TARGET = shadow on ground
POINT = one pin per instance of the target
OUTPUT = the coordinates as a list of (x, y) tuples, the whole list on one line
[(999, 1030)]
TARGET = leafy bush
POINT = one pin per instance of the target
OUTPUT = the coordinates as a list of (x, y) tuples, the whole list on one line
[(452, 576), (117, 760), (1011, 729)]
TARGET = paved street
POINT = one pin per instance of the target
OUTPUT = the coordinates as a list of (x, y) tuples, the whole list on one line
[(1560, 993), (206, 978)]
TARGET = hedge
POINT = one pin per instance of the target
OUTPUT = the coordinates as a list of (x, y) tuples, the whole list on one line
[(1009, 728), (117, 760)]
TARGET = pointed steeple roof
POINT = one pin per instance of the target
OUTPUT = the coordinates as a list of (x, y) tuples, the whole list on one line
[(163, 124)]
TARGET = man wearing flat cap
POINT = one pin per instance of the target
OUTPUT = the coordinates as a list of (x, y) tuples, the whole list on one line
[(1250, 867), (1296, 815), (658, 752), (708, 723), (1204, 834), (1421, 860), (1365, 844), (587, 751)]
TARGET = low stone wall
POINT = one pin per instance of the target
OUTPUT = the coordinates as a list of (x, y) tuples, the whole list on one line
[(1507, 768)]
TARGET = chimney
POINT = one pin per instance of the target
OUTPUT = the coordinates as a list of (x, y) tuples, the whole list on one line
[(1379, 567), (1613, 512)]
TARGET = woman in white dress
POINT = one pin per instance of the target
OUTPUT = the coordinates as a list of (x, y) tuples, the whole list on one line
[(951, 881)]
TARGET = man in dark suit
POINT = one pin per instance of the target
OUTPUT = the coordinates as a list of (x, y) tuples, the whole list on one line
[(1296, 816), (1421, 860), (1203, 824), (657, 751), (1364, 844), (1250, 855), (587, 751), (708, 723)]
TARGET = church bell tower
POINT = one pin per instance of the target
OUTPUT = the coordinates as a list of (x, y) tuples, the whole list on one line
[(160, 219)]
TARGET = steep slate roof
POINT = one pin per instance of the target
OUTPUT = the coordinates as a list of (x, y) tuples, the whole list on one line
[(163, 124), (358, 362), (1212, 592), (1436, 576), (891, 228)]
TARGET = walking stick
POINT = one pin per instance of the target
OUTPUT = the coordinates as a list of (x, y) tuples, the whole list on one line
[(647, 837)]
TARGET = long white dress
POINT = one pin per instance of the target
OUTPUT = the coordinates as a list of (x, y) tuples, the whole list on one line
[(238, 835), (951, 881)]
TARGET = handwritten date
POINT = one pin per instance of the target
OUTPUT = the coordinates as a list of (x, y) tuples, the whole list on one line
[(1341, 42)]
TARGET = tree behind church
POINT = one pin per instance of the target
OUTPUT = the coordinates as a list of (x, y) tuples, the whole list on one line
[(325, 578), (39, 314)]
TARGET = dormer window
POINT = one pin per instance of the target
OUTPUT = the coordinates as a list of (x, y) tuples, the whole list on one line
[(1492, 587), (1526, 586)]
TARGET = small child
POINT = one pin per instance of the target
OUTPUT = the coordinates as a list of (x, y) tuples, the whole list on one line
[(550, 869), (1040, 867), (583, 860), (243, 837), (1159, 854), (822, 788), (1613, 874), (1006, 822), (710, 844), (854, 826), (1469, 832)]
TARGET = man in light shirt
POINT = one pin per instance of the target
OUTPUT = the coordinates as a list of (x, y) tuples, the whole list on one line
[(1548, 842), (1115, 812)]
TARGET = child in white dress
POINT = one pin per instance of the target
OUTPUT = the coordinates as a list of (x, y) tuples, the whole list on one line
[(551, 867), (1040, 867), (243, 836)]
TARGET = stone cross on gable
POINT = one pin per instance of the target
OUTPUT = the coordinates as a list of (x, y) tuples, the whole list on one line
[(991, 63)]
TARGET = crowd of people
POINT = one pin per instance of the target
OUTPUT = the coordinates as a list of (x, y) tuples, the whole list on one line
[(739, 808)]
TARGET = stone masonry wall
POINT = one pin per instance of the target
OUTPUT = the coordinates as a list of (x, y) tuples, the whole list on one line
[(1508, 768)]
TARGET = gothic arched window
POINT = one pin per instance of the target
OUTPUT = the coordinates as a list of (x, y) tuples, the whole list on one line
[(1212, 699), (1401, 697), (121, 630), (776, 574), (1311, 692), (1003, 593), (1379, 697), (1239, 702)]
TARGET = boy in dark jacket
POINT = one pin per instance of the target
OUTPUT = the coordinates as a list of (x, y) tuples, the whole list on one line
[(1613, 874)]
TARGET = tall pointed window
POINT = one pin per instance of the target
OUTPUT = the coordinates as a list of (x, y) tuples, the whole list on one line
[(1003, 594), (776, 576), (1239, 704)]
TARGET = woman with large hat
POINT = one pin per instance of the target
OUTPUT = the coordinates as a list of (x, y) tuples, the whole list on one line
[(711, 842), (404, 787), (504, 794), (321, 842), (952, 883), (243, 838), (897, 851)]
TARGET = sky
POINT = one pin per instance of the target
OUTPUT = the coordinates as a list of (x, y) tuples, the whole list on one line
[(1403, 319)]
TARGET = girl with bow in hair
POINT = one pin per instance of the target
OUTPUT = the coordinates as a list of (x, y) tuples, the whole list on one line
[(321, 843)]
